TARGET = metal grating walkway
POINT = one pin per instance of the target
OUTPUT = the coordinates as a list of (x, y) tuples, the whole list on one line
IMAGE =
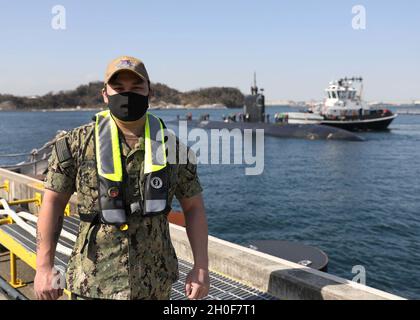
[(222, 288)]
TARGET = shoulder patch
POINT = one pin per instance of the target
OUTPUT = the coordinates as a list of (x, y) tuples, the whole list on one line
[(63, 150)]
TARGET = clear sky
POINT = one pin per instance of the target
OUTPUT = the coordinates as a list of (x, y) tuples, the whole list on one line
[(296, 46)]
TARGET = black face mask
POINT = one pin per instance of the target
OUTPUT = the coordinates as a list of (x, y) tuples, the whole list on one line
[(128, 106)]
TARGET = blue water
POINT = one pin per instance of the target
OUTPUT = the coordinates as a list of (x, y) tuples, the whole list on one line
[(357, 201)]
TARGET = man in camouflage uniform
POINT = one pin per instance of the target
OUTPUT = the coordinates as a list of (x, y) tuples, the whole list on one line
[(106, 262)]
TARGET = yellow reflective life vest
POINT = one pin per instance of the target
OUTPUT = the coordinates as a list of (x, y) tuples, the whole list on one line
[(110, 171)]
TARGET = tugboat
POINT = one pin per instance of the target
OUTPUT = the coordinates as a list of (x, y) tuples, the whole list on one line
[(344, 108)]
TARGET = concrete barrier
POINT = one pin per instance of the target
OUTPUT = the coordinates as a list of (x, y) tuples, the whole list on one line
[(281, 278)]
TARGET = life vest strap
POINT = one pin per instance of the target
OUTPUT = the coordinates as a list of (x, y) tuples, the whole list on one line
[(89, 217)]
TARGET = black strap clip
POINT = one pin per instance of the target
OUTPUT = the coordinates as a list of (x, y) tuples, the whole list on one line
[(136, 207)]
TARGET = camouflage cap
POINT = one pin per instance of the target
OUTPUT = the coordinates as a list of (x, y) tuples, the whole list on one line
[(126, 63)]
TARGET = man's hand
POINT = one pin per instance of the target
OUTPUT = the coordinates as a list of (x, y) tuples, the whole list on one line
[(50, 221), (198, 281), (44, 284), (197, 284)]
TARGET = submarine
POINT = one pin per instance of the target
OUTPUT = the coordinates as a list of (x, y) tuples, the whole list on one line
[(254, 117)]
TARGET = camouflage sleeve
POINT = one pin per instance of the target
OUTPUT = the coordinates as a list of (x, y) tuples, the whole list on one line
[(188, 182), (61, 175)]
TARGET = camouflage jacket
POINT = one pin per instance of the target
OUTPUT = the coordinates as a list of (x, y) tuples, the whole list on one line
[(139, 263)]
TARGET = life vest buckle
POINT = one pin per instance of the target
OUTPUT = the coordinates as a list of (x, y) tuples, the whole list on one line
[(113, 192), (124, 227)]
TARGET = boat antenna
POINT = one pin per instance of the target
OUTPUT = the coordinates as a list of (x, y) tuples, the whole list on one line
[(361, 88), (254, 88)]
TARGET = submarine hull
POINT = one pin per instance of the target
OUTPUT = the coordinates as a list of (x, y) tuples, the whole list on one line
[(299, 131)]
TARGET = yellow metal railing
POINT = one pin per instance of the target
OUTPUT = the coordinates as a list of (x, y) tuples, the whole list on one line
[(67, 212), (16, 250), (15, 282), (5, 186), (37, 200), (7, 220)]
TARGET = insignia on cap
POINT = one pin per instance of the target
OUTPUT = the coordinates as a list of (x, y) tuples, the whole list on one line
[(125, 64)]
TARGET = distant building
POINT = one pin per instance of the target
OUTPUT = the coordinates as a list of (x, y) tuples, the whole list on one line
[(280, 103)]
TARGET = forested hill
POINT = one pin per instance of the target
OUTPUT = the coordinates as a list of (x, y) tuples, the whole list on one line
[(89, 96)]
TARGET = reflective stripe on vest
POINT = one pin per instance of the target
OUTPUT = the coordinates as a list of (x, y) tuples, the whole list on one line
[(154, 158), (108, 155)]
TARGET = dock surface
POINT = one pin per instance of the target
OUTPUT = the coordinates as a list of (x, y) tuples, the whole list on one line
[(222, 288)]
